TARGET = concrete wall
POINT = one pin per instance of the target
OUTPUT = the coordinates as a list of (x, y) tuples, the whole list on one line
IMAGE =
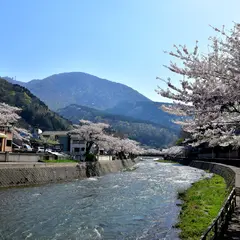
[(2, 157), (19, 157), (104, 158), (48, 173), (229, 173)]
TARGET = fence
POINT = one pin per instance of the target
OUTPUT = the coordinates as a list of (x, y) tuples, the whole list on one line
[(220, 223), (187, 161)]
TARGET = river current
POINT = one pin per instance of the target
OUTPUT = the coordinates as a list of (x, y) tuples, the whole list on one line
[(141, 204)]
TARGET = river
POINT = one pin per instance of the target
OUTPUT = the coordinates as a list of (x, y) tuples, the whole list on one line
[(127, 205)]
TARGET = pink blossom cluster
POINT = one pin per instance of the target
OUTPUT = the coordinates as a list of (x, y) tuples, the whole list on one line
[(8, 114), (9, 117), (95, 135), (209, 89)]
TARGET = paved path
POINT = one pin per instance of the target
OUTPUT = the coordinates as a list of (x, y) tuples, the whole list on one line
[(233, 231)]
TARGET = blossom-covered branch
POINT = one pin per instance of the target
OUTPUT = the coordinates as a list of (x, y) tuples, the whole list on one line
[(209, 91), (8, 114), (95, 135), (8, 117)]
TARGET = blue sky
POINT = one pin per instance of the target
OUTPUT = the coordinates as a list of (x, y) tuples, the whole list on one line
[(120, 40)]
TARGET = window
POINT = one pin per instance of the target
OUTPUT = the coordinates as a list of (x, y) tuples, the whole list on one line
[(82, 149), (76, 149), (9, 143)]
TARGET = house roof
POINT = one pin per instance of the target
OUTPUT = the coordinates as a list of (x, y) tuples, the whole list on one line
[(54, 133)]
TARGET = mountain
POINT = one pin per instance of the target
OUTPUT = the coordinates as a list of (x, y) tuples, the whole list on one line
[(147, 111), (34, 112), (61, 90), (145, 132), (11, 80)]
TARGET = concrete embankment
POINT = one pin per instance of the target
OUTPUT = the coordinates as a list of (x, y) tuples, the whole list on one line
[(31, 174), (232, 177), (229, 173)]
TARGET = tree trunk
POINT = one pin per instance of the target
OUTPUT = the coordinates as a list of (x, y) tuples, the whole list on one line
[(88, 147)]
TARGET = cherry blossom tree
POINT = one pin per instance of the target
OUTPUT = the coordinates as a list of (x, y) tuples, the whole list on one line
[(95, 135), (130, 147), (152, 151), (111, 144), (9, 116), (92, 133), (175, 151), (209, 89), (122, 147)]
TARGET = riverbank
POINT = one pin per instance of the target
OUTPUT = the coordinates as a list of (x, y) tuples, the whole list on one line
[(13, 175), (201, 205)]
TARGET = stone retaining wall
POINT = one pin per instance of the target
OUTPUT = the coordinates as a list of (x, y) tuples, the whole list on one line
[(44, 173), (229, 173)]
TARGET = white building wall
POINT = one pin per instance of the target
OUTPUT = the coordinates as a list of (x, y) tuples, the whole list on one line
[(104, 158)]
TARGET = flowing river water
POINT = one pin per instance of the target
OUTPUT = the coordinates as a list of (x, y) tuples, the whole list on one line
[(127, 205)]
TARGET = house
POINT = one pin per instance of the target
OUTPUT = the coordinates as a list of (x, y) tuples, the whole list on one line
[(77, 147), (61, 136), (36, 132), (6, 138), (70, 144)]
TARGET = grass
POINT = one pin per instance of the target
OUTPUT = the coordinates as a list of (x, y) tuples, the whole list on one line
[(201, 204), (60, 161), (165, 161)]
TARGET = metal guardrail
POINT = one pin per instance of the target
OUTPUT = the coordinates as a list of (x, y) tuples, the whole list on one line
[(220, 223)]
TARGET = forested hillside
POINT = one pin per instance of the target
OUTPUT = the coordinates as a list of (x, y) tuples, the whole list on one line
[(146, 132), (34, 112)]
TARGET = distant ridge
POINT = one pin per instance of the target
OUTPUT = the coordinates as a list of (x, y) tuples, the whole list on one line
[(146, 132)]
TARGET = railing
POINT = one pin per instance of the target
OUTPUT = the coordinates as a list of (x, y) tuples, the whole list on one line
[(185, 161), (220, 223)]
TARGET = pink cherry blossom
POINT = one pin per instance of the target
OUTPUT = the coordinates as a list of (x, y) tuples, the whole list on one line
[(209, 90)]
